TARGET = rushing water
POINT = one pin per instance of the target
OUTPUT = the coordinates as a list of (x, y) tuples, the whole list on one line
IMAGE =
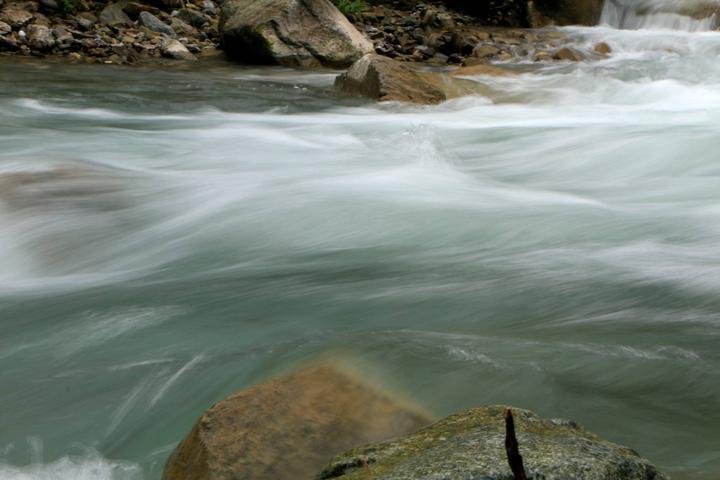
[(169, 236)]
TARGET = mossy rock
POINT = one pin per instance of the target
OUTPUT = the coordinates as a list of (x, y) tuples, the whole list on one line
[(471, 446)]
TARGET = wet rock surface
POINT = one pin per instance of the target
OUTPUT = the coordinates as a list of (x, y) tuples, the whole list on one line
[(289, 427), (471, 445)]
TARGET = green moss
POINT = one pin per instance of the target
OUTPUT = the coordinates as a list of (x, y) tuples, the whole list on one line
[(350, 7)]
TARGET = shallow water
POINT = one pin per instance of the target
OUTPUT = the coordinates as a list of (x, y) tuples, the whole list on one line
[(170, 236)]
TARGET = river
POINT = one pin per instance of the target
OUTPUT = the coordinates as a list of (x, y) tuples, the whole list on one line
[(169, 236)]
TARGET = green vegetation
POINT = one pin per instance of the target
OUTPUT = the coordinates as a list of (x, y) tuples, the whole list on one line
[(67, 6), (350, 7)]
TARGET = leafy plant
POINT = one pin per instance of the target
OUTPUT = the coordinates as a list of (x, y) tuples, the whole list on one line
[(350, 7)]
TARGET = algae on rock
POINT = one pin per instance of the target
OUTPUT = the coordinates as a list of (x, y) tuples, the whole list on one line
[(470, 446)]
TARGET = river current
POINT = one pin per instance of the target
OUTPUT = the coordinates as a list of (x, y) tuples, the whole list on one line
[(170, 236)]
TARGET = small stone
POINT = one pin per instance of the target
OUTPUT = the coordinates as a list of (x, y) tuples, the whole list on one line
[(49, 6), (568, 54), (5, 28), (602, 48), (193, 17), (485, 51), (542, 56), (86, 20), (209, 8), (155, 24), (9, 42), (74, 57), (63, 38), (176, 50), (455, 58)]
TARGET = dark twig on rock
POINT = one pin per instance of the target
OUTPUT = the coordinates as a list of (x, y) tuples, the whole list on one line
[(511, 447)]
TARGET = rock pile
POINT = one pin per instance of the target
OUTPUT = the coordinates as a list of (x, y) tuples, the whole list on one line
[(122, 32)]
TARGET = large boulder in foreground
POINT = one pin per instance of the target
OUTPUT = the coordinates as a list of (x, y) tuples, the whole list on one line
[(289, 427), (384, 79), (294, 33), (471, 445), (567, 12)]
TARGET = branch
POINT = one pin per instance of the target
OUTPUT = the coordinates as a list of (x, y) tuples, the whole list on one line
[(511, 447)]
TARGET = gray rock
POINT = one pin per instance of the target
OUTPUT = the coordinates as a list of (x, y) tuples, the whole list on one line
[(49, 6), (470, 445), (63, 38), (176, 50), (209, 7), (40, 37), (5, 28), (182, 28), (306, 33), (155, 24), (9, 42), (193, 17), (86, 20), (113, 15), (15, 16)]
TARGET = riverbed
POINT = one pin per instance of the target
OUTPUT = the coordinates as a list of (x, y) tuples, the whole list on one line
[(169, 236)]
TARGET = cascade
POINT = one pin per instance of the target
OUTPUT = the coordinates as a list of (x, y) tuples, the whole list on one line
[(690, 16)]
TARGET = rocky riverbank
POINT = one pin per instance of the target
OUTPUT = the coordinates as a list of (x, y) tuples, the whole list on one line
[(262, 32), (115, 33)]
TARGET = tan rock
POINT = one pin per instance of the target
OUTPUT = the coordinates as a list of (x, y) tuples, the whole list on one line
[(16, 17), (485, 51), (602, 48), (568, 54), (289, 427), (172, 48), (385, 79), (481, 69), (306, 33), (40, 37)]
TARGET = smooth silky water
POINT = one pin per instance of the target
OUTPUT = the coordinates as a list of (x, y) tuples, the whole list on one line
[(169, 236)]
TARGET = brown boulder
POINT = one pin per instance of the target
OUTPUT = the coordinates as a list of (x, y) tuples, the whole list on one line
[(382, 78), (568, 54), (294, 33), (289, 427)]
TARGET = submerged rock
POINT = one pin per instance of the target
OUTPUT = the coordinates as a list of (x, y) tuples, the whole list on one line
[(568, 54), (289, 427), (471, 446), (304, 33)]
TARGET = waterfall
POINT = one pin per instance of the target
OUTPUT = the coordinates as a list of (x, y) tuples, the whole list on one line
[(688, 15)]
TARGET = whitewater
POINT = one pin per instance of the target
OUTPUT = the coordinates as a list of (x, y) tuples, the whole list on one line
[(171, 236)]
